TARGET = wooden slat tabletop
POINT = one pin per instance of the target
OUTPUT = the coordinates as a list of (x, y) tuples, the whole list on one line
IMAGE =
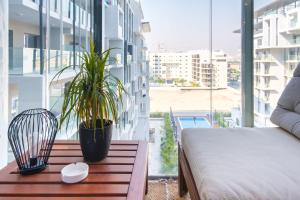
[(121, 176)]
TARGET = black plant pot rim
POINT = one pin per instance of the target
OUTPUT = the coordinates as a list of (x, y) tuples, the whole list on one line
[(107, 123)]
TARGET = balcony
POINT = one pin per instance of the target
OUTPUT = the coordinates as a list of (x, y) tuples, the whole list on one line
[(289, 71), (266, 87), (264, 58), (144, 69), (293, 16), (208, 72), (24, 61), (115, 61), (258, 31), (265, 73), (293, 58), (114, 23), (294, 41), (32, 6), (266, 98)]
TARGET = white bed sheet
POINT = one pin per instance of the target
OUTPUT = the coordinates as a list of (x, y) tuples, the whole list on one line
[(244, 164)]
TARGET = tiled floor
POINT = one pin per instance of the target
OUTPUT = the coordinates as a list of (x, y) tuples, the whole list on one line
[(164, 190)]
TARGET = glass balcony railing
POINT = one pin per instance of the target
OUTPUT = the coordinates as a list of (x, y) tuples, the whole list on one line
[(24, 61), (68, 11), (266, 98), (258, 31), (27, 60), (267, 71), (293, 24), (264, 58), (293, 57), (59, 59), (294, 41)]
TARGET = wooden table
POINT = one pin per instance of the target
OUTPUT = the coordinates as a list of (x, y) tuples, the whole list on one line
[(122, 175)]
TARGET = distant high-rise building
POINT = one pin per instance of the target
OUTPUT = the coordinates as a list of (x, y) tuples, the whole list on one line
[(277, 52)]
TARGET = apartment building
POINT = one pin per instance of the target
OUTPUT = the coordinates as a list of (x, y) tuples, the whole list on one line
[(192, 66), (277, 53), (124, 29), (171, 66), (234, 70), (210, 74), (45, 36)]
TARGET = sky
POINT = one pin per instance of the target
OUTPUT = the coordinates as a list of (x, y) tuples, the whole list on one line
[(181, 25)]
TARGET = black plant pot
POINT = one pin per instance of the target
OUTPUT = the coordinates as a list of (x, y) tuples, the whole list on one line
[(95, 144)]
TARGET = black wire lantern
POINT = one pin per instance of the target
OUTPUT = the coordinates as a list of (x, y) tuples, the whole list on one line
[(31, 135)]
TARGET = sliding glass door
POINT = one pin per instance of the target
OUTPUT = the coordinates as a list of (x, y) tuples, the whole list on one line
[(195, 73)]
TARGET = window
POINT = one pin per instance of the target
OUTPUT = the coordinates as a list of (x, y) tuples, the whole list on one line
[(31, 41)]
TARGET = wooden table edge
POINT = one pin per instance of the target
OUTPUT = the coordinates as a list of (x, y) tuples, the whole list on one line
[(139, 180)]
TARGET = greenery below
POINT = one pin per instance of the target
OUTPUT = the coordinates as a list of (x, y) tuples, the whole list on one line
[(157, 115), (180, 82), (175, 82), (157, 80), (234, 74), (219, 118), (168, 151), (195, 84)]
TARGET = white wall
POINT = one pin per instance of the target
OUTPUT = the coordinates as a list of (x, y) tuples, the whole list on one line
[(19, 29), (3, 81), (31, 91)]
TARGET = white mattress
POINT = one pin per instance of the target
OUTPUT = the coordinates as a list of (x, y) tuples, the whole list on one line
[(247, 164)]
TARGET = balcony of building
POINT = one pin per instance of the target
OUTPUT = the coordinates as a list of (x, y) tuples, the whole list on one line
[(289, 70), (292, 58), (114, 18), (294, 42), (264, 58), (27, 11), (293, 24), (266, 87), (27, 61)]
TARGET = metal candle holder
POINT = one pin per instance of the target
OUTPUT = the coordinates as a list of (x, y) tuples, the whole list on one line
[(31, 135)]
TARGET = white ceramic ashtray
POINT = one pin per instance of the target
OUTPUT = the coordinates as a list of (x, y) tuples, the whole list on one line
[(74, 173)]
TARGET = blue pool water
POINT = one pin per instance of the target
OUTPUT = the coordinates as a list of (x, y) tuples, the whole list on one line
[(194, 122)]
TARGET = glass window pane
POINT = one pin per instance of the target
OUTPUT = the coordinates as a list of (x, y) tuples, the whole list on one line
[(194, 83), (276, 42)]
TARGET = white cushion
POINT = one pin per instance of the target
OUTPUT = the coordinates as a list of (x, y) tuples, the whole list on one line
[(239, 164), (290, 98), (287, 120), (287, 113)]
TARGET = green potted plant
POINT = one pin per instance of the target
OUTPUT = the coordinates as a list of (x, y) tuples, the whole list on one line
[(93, 97)]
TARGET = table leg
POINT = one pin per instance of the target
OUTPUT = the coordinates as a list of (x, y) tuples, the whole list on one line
[(146, 191)]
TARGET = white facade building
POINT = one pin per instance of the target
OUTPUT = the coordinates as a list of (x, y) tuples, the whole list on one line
[(171, 66), (192, 66), (277, 53), (207, 75), (134, 121)]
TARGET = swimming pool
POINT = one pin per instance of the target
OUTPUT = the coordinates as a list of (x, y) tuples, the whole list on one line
[(194, 122)]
